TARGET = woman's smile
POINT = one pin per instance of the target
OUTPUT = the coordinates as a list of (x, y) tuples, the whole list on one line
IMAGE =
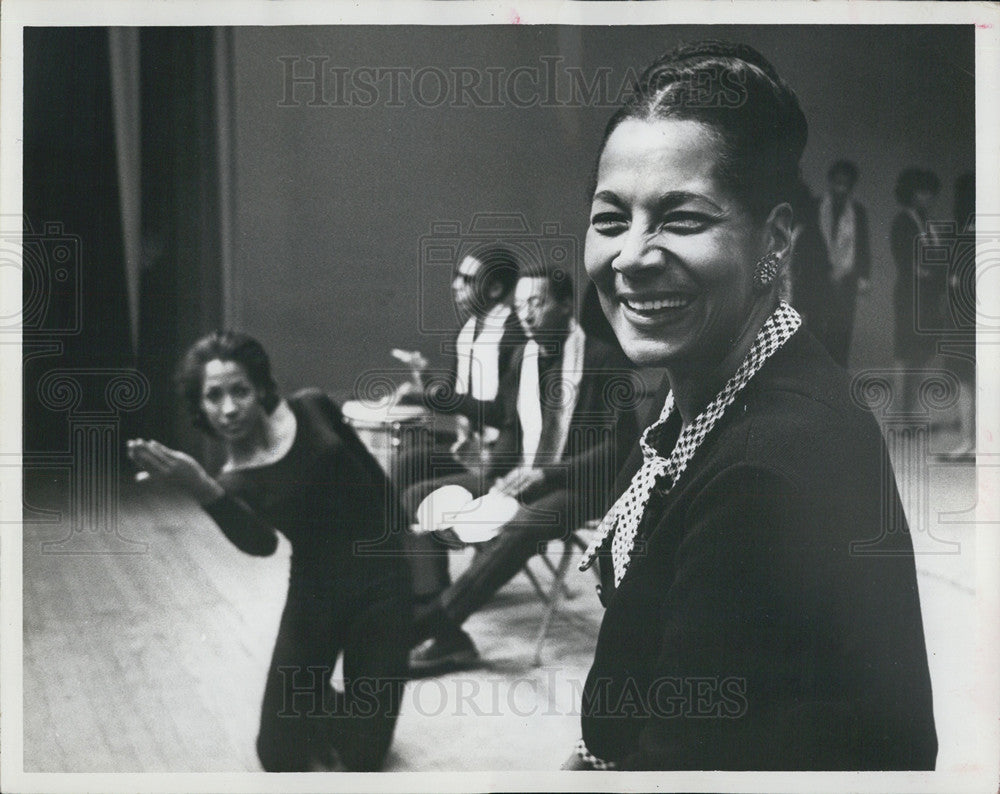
[(647, 310)]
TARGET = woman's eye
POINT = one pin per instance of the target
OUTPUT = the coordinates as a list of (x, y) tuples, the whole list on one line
[(212, 395), (609, 223), (241, 392), (685, 223)]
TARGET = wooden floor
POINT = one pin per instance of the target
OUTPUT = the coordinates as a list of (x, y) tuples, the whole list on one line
[(155, 661)]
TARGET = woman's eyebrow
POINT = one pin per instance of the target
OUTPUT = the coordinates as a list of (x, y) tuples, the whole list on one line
[(672, 198), (675, 198)]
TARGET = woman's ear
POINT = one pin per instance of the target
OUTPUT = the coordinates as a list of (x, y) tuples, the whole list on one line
[(778, 231)]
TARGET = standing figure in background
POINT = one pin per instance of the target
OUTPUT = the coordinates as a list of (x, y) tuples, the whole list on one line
[(919, 293), (295, 466), (481, 289), (844, 225)]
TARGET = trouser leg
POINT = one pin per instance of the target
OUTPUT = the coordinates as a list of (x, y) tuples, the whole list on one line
[(298, 693), (840, 328), (499, 561), (375, 673)]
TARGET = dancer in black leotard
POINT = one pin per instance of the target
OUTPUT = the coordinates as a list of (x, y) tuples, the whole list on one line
[(294, 465)]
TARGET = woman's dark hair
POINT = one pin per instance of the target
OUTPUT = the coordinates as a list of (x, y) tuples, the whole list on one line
[(735, 91), (913, 180), (845, 167), (224, 346)]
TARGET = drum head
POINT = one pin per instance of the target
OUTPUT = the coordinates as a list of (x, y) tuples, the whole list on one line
[(482, 519), (439, 508), (361, 413)]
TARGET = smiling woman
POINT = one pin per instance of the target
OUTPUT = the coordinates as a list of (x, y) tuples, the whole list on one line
[(732, 560), (704, 311)]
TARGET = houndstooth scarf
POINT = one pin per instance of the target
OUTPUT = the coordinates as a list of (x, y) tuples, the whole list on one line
[(625, 515)]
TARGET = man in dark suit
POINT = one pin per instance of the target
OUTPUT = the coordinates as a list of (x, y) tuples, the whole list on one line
[(843, 223), (480, 357), (481, 289), (564, 414)]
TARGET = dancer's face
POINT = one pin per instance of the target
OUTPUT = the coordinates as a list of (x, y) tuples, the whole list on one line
[(231, 403)]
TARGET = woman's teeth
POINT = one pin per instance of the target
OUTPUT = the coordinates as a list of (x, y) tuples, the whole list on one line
[(656, 305)]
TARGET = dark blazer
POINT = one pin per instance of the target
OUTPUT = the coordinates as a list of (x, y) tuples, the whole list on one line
[(902, 235), (602, 431), (767, 619), (440, 395), (918, 288)]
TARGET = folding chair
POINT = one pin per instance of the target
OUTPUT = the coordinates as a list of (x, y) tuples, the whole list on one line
[(557, 590)]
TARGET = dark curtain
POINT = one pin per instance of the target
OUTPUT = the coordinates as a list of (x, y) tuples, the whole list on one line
[(77, 316), (181, 284), (74, 296)]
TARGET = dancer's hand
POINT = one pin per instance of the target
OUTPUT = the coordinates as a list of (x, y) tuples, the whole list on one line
[(176, 468)]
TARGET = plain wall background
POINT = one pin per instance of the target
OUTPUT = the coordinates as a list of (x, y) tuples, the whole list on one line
[(333, 203)]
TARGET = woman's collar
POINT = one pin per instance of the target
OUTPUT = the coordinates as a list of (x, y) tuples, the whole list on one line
[(280, 429)]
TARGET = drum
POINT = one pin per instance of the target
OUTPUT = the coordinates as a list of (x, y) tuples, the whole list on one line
[(388, 430)]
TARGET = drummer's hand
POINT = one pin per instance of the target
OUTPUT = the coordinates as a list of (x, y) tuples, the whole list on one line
[(176, 468), (412, 358), (409, 389), (518, 480)]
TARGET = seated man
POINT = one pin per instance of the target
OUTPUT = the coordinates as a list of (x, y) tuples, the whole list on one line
[(565, 414), (481, 356)]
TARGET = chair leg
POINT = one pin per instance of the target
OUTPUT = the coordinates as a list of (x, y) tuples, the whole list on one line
[(554, 600), (567, 592), (535, 583)]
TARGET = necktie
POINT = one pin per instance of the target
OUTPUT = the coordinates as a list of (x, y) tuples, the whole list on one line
[(551, 397), (626, 514)]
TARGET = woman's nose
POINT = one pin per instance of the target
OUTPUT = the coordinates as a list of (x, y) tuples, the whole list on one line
[(228, 406), (637, 253)]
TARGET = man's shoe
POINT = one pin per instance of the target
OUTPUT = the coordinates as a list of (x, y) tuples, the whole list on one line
[(443, 654)]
